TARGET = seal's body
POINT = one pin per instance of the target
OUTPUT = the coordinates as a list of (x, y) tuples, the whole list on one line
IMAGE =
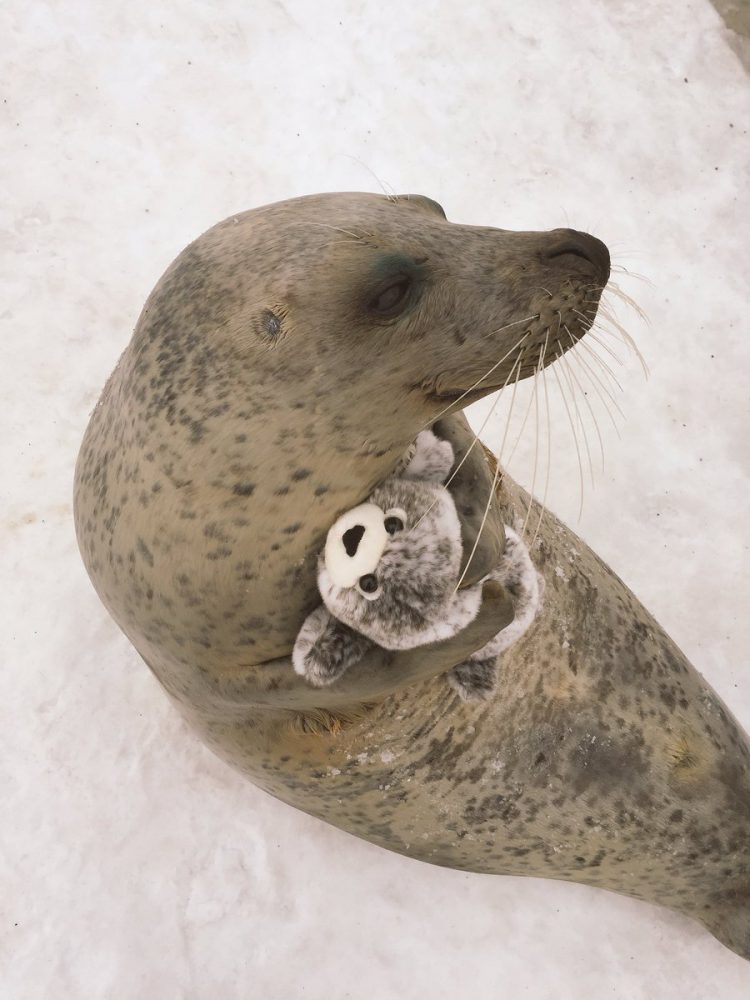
[(238, 426)]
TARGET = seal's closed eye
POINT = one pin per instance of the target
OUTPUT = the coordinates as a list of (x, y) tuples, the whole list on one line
[(390, 300)]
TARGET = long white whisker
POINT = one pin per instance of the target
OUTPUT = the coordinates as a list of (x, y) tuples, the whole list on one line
[(486, 375), (575, 436), (495, 478), (571, 386), (549, 459), (453, 474), (621, 269), (601, 362), (587, 401), (390, 195), (592, 336), (598, 385), (628, 341), (521, 430), (618, 293), (536, 443)]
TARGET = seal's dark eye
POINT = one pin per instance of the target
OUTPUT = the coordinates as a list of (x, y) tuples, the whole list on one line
[(393, 524), (390, 300)]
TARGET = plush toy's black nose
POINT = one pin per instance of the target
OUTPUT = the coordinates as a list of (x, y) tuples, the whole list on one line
[(352, 538)]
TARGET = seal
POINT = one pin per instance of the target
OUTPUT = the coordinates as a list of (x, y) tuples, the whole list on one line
[(279, 371)]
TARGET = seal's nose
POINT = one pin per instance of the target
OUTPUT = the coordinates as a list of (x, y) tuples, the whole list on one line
[(566, 243)]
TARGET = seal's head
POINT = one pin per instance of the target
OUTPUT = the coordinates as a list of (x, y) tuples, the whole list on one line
[(278, 372), (344, 304)]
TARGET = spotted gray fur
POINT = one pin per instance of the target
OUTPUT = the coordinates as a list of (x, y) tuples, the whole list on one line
[(604, 758)]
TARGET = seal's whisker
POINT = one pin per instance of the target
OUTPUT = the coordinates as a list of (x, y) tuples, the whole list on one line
[(586, 400), (358, 237), (535, 397), (621, 269), (492, 409), (493, 486), (592, 336), (453, 474), (511, 407), (600, 361), (521, 430), (574, 396), (615, 289), (598, 384), (527, 319), (626, 338), (549, 459), (489, 371), (390, 195), (608, 323), (573, 428)]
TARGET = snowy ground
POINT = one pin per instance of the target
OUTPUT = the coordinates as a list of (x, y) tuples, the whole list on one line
[(133, 863)]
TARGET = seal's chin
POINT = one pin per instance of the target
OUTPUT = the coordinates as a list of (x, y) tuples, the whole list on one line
[(450, 394)]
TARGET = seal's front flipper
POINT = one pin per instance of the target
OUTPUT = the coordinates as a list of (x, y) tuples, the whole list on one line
[(474, 680), (378, 673), (326, 648)]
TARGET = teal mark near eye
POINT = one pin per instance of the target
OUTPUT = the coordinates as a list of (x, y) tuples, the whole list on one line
[(397, 263)]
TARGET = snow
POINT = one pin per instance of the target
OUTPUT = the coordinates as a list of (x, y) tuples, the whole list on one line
[(134, 863)]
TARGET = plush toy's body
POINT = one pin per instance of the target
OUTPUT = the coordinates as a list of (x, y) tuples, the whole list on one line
[(389, 573)]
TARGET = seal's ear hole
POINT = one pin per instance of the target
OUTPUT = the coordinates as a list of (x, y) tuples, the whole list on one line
[(351, 539), (269, 325)]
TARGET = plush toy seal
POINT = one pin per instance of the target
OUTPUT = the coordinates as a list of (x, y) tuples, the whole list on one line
[(389, 575)]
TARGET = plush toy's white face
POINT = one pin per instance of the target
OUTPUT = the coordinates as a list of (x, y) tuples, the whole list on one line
[(391, 565)]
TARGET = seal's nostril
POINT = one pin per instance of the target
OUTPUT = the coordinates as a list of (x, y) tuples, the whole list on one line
[(569, 248), (571, 243)]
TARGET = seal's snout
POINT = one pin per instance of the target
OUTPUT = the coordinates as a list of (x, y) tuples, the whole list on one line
[(568, 243)]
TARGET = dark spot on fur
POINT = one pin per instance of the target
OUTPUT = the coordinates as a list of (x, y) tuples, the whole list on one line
[(299, 474), (243, 489), (144, 550)]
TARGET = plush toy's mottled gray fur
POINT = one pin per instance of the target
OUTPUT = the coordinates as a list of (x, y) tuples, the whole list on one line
[(417, 601)]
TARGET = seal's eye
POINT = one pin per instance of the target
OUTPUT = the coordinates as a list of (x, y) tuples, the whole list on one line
[(368, 586), (395, 520), (390, 300)]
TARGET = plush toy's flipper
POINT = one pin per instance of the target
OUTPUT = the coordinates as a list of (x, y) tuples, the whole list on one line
[(432, 461), (474, 680), (326, 648)]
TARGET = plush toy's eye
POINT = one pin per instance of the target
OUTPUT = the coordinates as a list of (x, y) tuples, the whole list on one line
[(368, 586), (395, 520)]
